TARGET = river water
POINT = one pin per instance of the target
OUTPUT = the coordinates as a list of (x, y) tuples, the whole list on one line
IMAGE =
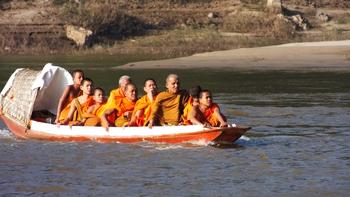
[(299, 143)]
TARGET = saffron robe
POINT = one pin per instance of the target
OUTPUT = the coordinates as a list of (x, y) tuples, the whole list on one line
[(187, 110), (115, 95), (144, 104), (94, 118), (210, 117), (168, 107), (80, 109), (123, 106)]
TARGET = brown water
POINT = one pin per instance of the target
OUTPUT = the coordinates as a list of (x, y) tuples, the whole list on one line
[(299, 144)]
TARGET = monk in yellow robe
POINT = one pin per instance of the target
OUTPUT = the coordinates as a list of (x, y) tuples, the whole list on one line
[(121, 110), (69, 93), (143, 106), (93, 115), (192, 102), (78, 106), (118, 93), (169, 105), (207, 113)]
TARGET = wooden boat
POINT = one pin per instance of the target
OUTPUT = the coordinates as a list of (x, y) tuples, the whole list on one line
[(18, 104)]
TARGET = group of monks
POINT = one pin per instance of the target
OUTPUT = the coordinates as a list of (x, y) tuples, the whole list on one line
[(81, 104)]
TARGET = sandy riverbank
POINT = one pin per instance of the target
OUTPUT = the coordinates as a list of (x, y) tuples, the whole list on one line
[(332, 55)]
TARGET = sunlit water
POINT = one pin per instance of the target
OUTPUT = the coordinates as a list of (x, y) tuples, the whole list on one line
[(299, 144)]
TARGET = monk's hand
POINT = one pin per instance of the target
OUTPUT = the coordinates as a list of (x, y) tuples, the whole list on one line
[(106, 127), (56, 121), (206, 125), (150, 124)]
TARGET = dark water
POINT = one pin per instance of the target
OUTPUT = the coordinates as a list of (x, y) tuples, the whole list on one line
[(299, 144)]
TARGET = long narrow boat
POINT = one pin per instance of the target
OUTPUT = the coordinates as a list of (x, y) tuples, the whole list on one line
[(28, 91)]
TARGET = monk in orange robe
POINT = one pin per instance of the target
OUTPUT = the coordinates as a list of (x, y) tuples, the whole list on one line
[(143, 106), (93, 115), (78, 106), (121, 110), (119, 93), (207, 113), (71, 92), (169, 105), (193, 101)]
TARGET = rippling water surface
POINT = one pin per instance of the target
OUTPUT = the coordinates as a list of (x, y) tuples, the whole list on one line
[(299, 144)]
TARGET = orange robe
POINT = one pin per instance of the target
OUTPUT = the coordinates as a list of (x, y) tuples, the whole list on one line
[(94, 118), (210, 117), (145, 104), (80, 109), (66, 108), (123, 106), (168, 107), (115, 95), (70, 98), (187, 110)]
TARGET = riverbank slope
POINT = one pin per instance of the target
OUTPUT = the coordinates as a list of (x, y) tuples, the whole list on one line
[(166, 28), (332, 55)]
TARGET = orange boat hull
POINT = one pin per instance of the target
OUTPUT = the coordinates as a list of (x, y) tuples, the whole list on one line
[(217, 135)]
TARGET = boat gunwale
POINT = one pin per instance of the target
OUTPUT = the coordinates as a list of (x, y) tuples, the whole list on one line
[(208, 135)]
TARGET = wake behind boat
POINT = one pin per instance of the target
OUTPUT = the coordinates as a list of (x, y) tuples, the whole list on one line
[(29, 100)]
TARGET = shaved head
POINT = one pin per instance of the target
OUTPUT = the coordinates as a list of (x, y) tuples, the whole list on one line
[(172, 83), (123, 80), (172, 76)]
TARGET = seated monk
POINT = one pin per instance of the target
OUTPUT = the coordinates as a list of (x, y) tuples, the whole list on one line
[(192, 102), (118, 93), (142, 110), (71, 92), (119, 113), (168, 106), (92, 117), (207, 113), (78, 106)]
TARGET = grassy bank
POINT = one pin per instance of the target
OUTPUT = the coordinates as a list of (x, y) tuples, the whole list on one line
[(166, 28)]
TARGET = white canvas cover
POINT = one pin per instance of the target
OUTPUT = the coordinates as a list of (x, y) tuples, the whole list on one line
[(51, 82)]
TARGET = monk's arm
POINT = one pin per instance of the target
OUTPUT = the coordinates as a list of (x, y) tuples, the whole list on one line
[(221, 119), (192, 116), (104, 121), (62, 102), (135, 115), (155, 108), (70, 114), (88, 113)]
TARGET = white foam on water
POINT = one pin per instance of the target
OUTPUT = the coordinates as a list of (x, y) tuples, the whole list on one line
[(6, 134), (169, 147), (245, 138), (185, 145), (201, 142)]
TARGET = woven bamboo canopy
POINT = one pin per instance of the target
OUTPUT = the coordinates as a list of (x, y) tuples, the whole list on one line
[(19, 100)]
